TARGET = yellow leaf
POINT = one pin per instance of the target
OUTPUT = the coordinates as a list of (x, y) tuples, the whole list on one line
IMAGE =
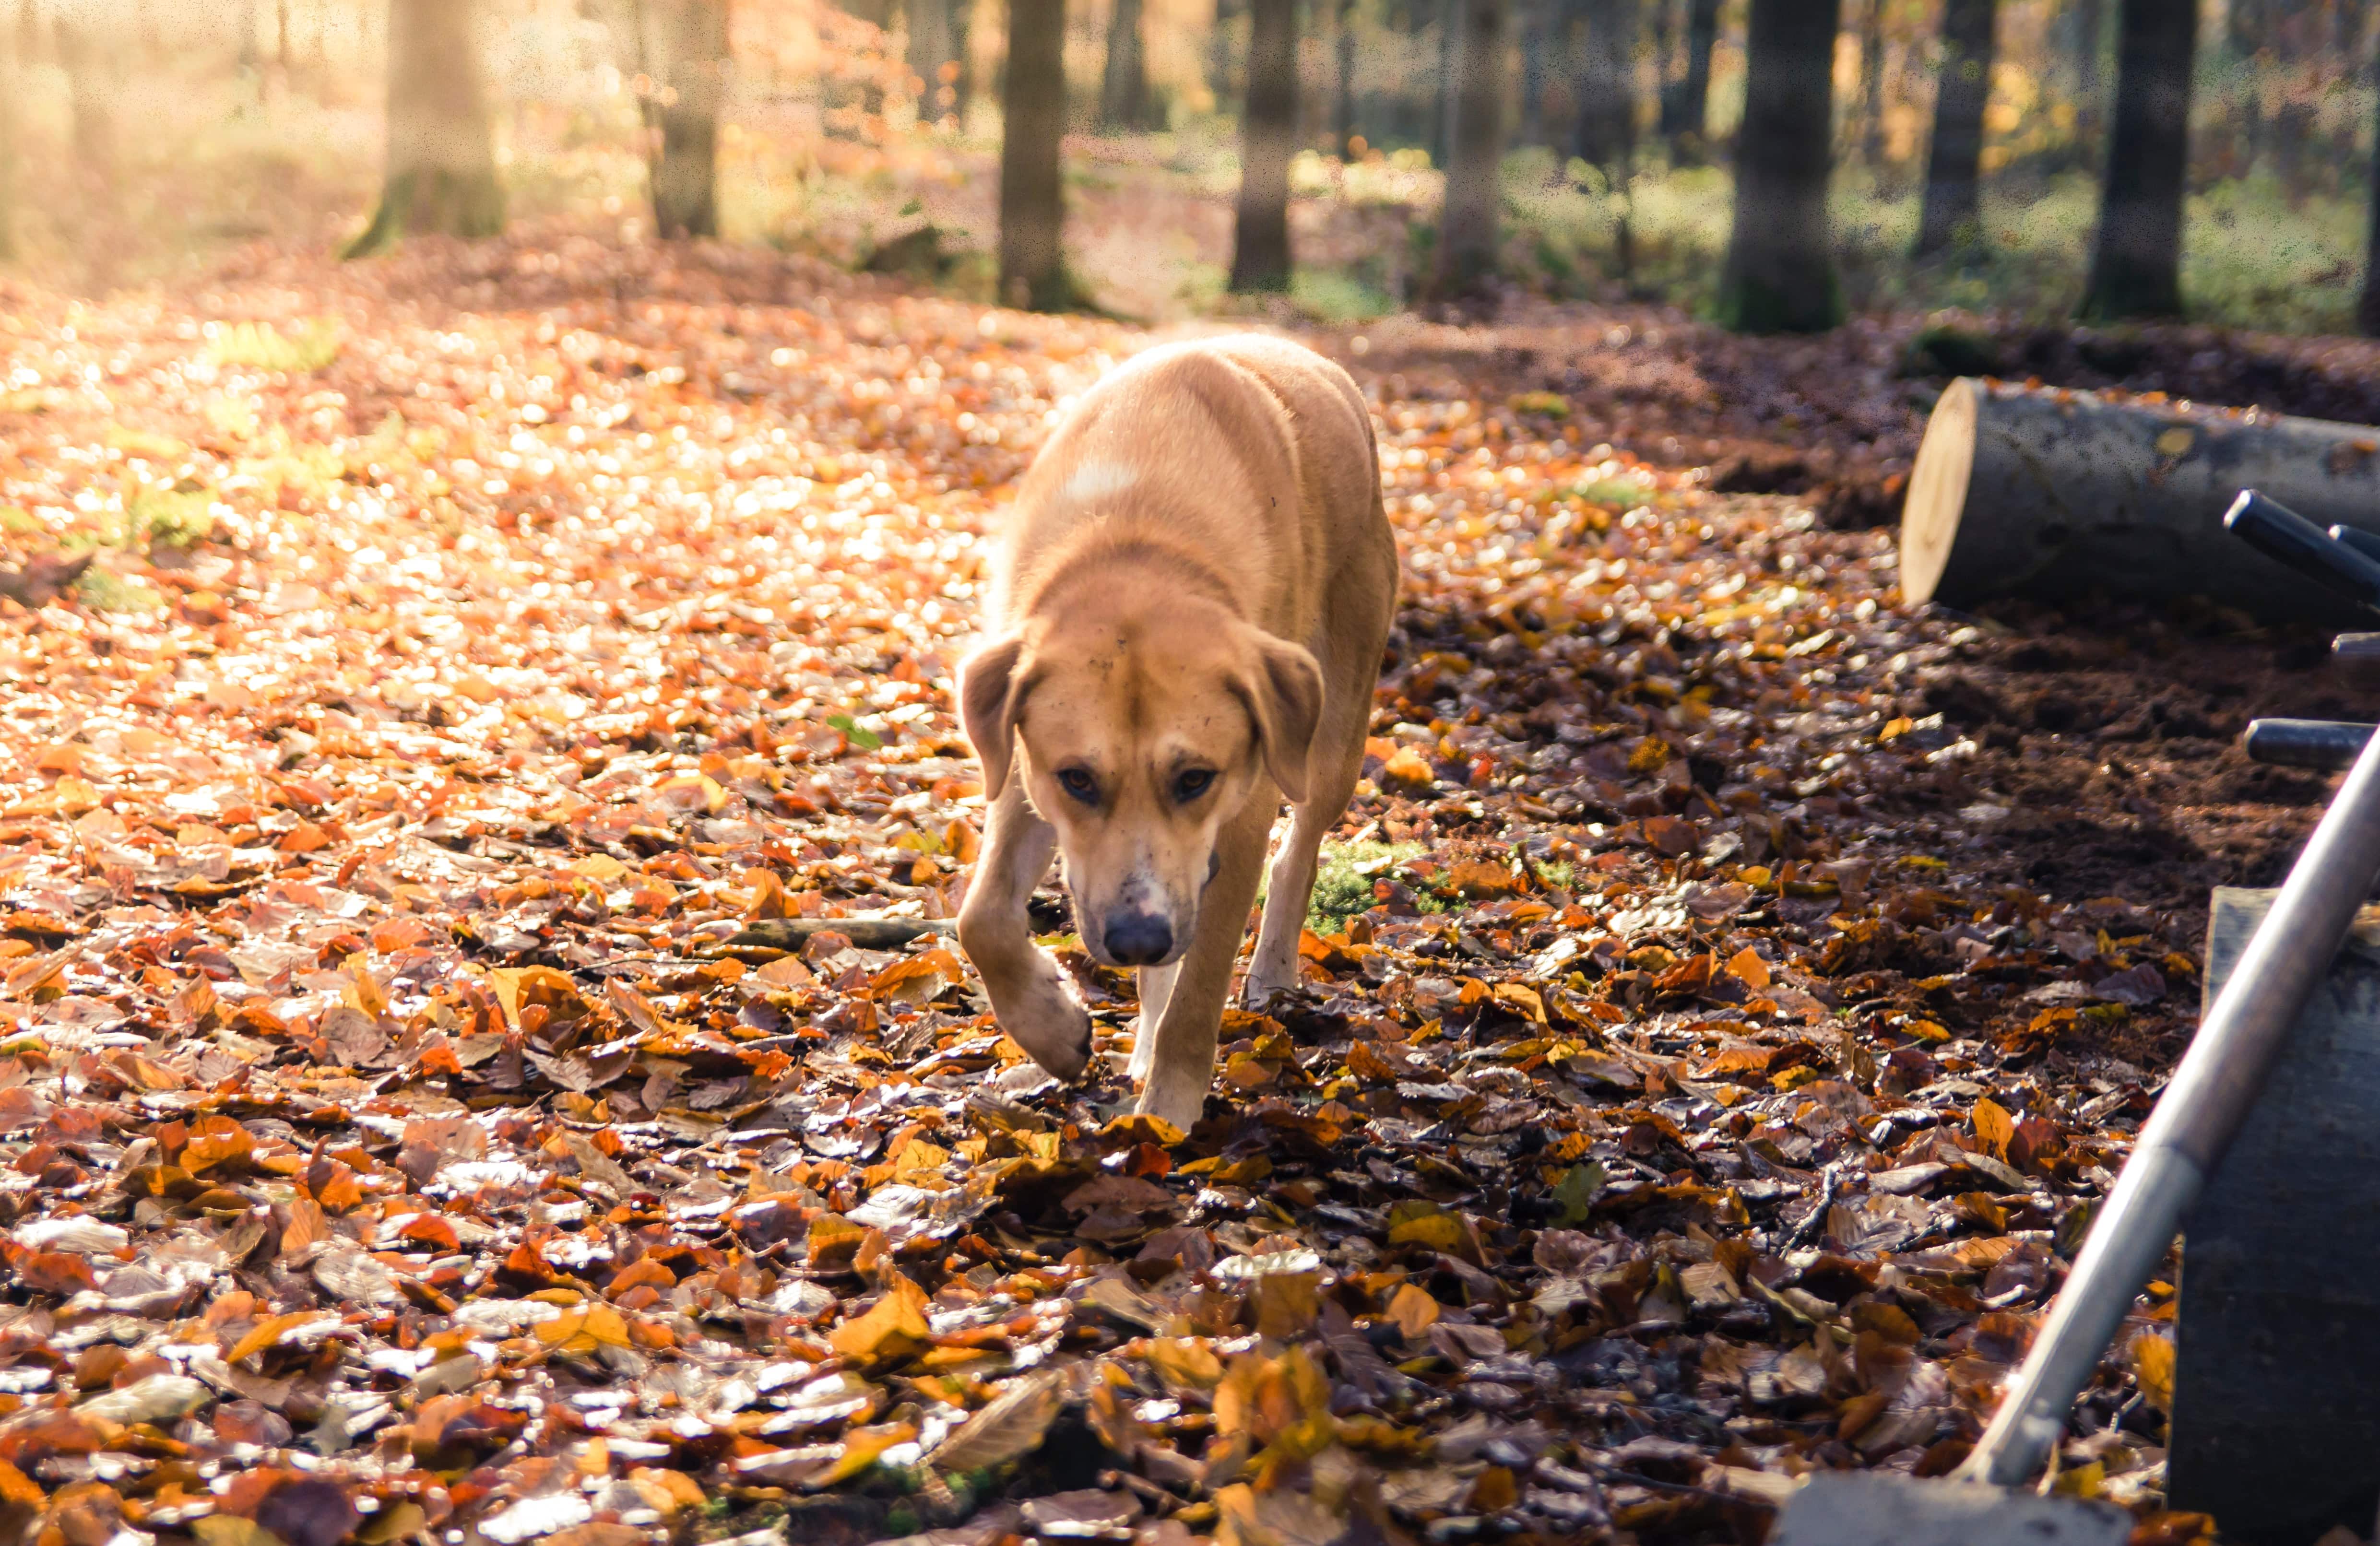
[(1185, 1363), (216, 1142), (1409, 768), (1413, 1310), (266, 1333), (230, 1530), (2152, 1357), (895, 1325), (860, 1448), (2174, 442), (17, 1488), (1746, 967), (519, 985), (607, 1325), (1994, 1127)]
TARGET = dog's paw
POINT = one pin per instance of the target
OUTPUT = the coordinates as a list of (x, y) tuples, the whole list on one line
[(1045, 1020), (1176, 1100)]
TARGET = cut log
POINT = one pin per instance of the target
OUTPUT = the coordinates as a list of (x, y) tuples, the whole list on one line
[(2058, 496)]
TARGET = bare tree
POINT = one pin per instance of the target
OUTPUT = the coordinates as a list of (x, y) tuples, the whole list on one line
[(1032, 199), (11, 137), (1606, 87), (441, 176), (938, 47), (1691, 139), (1468, 236), (1538, 24), (1124, 81), (686, 50), (2087, 24), (1267, 141), (90, 97), (1868, 121), (2367, 302), (1342, 95), (1779, 275), (1953, 208), (2136, 262)]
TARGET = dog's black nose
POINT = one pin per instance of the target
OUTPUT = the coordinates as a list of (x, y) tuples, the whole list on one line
[(1139, 938)]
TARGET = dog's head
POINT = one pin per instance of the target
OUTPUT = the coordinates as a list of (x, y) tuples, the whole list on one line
[(1139, 733)]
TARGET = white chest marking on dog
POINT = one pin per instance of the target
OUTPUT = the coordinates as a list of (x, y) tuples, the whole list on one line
[(1098, 480)]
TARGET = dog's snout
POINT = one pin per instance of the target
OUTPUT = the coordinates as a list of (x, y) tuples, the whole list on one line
[(1139, 938)]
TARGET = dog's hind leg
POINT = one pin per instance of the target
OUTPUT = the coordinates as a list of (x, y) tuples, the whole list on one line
[(1028, 992), (1181, 1059), (1156, 988)]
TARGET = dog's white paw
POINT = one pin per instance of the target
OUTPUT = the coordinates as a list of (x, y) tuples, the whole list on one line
[(1040, 1016), (1176, 1099)]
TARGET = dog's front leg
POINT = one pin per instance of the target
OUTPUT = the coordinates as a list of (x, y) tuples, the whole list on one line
[(1028, 992), (1182, 1062)]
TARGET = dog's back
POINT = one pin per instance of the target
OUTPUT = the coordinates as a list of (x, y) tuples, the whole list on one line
[(1245, 444)]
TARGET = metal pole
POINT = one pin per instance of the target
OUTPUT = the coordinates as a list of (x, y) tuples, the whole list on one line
[(2210, 1095)]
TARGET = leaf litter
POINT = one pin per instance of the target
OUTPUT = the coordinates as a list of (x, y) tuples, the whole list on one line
[(410, 1128)]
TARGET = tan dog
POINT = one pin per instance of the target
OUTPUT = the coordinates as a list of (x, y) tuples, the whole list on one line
[(1187, 622)]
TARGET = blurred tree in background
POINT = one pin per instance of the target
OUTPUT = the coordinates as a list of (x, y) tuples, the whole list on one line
[(442, 167), (1154, 155)]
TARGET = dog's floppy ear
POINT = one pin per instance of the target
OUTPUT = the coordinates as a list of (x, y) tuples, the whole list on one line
[(1285, 700), (988, 695)]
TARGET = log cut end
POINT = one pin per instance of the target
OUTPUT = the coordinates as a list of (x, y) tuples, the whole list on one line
[(1937, 492)]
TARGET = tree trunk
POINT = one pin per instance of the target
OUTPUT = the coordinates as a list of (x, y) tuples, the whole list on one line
[(1267, 139), (1606, 88), (1219, 48), (1441, 130), (1032, 203), (11, 142), (2055, 495), (1953, 208), (88, 73), (689, 47), (1872, 95), (1342, 99), (1536, 37), (1693, 141), (2367, 302), (1467, 236), (2136, 263), (442, 165), (1123, 83), (1661, 40), (932, 54), (1779, 275), (2089, 36)]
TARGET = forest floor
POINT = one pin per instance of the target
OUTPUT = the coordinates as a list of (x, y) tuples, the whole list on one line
[(1729, 995)]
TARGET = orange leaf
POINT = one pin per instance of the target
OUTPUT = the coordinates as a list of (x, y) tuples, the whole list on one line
[(893, 1326), (1994, 1127)]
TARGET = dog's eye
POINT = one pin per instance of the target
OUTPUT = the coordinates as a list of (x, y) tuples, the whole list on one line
[(1190, 785), (1078, 782)]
